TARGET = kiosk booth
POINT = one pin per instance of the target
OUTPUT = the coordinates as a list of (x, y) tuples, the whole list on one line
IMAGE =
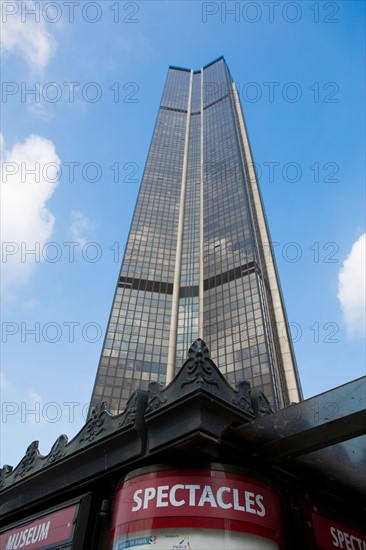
[(197, 465)]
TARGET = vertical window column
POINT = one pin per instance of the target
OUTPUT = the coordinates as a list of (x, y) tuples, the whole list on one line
[(201, 288), (178, 257)]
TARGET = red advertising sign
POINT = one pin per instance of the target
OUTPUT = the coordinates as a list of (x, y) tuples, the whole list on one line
[(330, 535), (210, 499), (49, 530)]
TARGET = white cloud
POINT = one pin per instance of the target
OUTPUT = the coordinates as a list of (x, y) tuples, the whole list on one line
[(80, 228), (351, 288), (33, 412), (34, 396), (26, 223), (22, 34), (3, 382)]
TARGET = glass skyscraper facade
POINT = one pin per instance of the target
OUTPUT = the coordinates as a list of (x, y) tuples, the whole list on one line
[(198, 261)]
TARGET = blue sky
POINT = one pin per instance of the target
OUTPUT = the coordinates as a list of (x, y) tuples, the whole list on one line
[(299, 69)]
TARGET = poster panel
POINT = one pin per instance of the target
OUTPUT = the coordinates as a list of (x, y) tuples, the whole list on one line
[(184, 509), (192, 539), (43, 533), (330, 535)]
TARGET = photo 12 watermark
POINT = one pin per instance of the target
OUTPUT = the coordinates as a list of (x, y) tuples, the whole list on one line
[(52, 412), (69, 92), (252, 331), (273, 91), (270, 12), (70, 252), (274, 172), (291, 252), (116, 11), (38, 412), (70, 171), (52, 332)]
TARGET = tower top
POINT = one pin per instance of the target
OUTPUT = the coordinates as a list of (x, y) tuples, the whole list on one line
[(176, 68)]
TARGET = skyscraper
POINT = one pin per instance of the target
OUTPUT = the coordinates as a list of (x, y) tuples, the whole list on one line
[(198, 260)]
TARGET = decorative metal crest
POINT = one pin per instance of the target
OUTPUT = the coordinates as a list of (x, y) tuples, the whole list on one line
[(261, 405), (200, 368), (58, 450), (129, 414), (95, 424), (156, 398), (27, 463), (242, 398)]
